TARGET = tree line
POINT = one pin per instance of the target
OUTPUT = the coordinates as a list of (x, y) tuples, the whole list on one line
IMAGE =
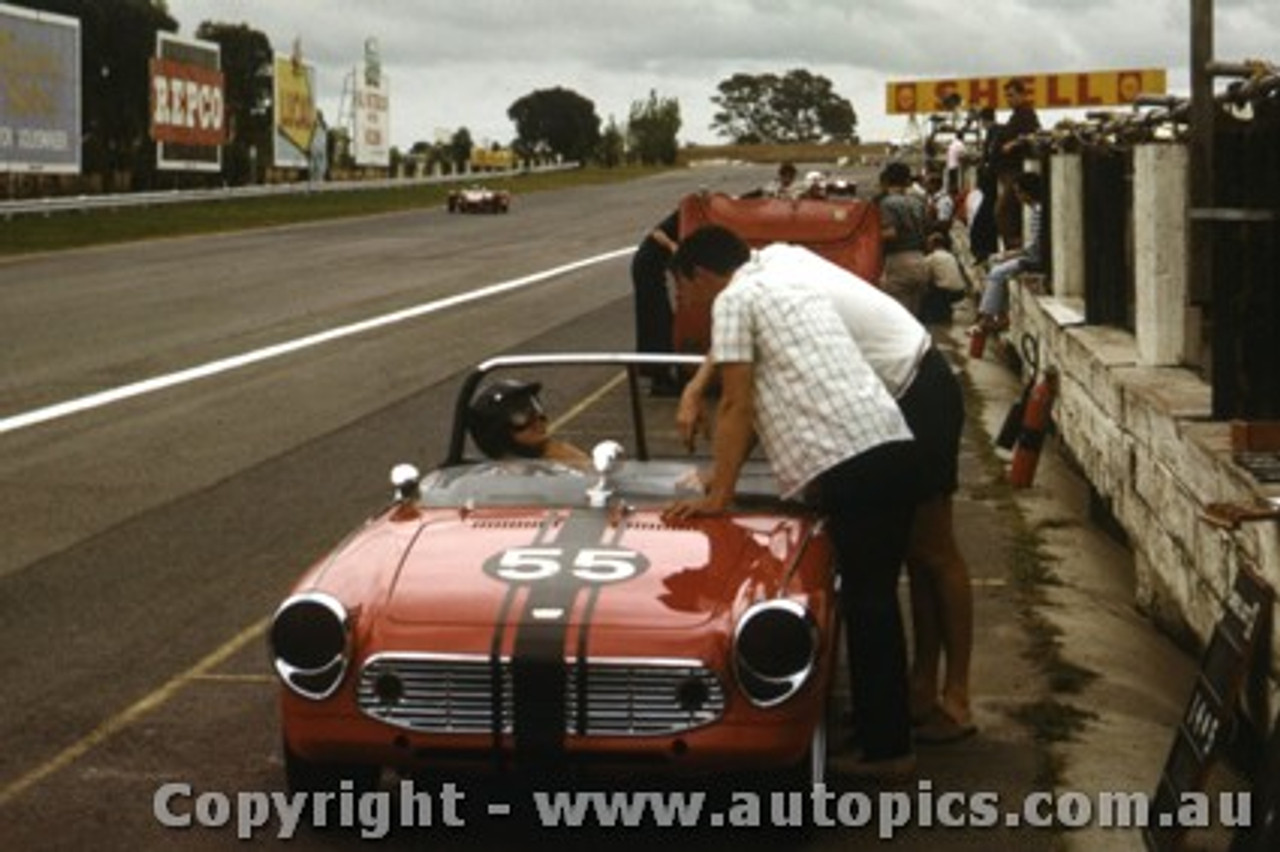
[(118, 39)]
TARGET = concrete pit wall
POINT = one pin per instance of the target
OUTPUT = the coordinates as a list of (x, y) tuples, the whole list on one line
[(1138, 422)]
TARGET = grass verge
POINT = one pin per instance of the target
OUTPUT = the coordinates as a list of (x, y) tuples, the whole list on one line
[(33, 233)]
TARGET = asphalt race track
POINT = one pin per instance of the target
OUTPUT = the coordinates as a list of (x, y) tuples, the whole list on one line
[(149, 532)]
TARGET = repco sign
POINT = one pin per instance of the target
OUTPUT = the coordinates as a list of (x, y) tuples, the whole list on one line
[(187, 104)]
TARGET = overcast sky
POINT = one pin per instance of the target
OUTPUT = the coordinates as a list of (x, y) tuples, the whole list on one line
[(462, 63)]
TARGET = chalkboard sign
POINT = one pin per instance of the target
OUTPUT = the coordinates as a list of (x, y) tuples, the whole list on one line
[(1211, 708)]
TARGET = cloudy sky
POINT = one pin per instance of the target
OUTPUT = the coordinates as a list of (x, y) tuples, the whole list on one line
[(462, 63)]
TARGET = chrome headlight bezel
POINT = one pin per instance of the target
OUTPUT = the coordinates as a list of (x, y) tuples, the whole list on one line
[(786, 630), (311, 665)]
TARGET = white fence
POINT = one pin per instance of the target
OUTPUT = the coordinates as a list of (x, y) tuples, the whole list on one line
[(85, 203)]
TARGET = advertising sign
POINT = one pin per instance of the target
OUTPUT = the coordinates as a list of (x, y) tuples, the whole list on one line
[(371, 142), (1048, 91), (188, 104), (39, 92), (295, 111), (485, 159), (371, 137)]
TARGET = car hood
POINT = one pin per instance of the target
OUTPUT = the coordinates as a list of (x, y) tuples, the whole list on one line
[(574, 566)]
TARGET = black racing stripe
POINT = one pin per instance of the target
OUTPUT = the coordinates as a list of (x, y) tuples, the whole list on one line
[(582, 684), (497, 676), (538, 669)]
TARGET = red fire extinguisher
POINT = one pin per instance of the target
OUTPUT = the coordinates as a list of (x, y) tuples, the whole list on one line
[(977, 341), (1035, 423)]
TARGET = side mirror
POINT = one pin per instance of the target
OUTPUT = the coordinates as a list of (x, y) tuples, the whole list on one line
[(606, 457), (405, 479)]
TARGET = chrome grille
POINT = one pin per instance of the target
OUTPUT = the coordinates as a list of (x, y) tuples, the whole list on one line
[(439, 694), (642, 697), (614, 697)]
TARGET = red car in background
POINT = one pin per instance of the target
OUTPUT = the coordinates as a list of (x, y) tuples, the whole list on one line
[(508, 615)]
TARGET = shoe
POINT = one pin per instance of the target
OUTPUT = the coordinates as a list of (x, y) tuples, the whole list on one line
[(939, 727), (889, 770)]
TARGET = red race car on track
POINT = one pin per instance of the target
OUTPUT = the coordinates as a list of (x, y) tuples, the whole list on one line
[(479, 199), (508, 615)]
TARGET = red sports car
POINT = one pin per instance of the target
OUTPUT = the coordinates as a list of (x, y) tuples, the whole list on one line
[(479, 199), (515, 613)]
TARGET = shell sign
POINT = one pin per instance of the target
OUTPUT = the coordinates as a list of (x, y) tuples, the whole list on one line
[(1048, 91)]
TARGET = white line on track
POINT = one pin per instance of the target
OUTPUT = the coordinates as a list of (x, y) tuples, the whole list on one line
[(226, 365)]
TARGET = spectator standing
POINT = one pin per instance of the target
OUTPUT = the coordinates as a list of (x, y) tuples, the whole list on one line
[(984, 237), (941, 204), (1012, 150), (903, 225), (792, 375), (954, 163), (654, 315)]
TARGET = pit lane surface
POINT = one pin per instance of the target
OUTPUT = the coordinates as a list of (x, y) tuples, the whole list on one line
[(146, 540)]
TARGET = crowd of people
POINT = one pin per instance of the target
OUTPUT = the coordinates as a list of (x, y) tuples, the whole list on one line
[(839, 381)]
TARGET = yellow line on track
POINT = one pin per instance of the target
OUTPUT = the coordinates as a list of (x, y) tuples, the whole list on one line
[(587, 402), (143, 706)]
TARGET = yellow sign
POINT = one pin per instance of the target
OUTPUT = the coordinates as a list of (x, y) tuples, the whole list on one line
[(295, 104), (1048, 91), (483, 158)]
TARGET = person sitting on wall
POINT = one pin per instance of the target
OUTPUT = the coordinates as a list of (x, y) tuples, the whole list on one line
[(994, 307)]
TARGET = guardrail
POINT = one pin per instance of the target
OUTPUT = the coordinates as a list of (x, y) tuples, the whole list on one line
[(84, 203)]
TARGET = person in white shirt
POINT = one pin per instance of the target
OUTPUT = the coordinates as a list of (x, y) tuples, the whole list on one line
[(900, 352), (791, 375), (955, 162)]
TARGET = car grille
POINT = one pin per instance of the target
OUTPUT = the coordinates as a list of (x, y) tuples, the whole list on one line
[(617, 697)]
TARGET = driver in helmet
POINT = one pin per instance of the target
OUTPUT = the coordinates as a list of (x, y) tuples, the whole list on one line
[(506, 420)]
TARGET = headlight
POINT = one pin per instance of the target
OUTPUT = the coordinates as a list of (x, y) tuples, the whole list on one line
[(774, 648), (309, 644)]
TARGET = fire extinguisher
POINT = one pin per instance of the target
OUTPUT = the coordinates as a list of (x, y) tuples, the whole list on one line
[(977, 341), (1035, 423)]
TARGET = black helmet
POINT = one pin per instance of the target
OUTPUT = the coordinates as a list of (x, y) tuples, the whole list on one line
[(492, 413)]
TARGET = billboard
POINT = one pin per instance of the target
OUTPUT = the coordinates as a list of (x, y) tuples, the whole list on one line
[(39, 92), (188, 104), (486, 159), (371, 135), (1048, 91), (294, 103)]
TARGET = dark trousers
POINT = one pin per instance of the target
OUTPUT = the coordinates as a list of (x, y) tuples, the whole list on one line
[(869, 502), (652, 302)]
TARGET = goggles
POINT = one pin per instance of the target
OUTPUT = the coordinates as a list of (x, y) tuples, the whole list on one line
[(529, 411)]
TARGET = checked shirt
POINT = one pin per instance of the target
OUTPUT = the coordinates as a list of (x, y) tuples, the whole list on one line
[(817, 401)]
